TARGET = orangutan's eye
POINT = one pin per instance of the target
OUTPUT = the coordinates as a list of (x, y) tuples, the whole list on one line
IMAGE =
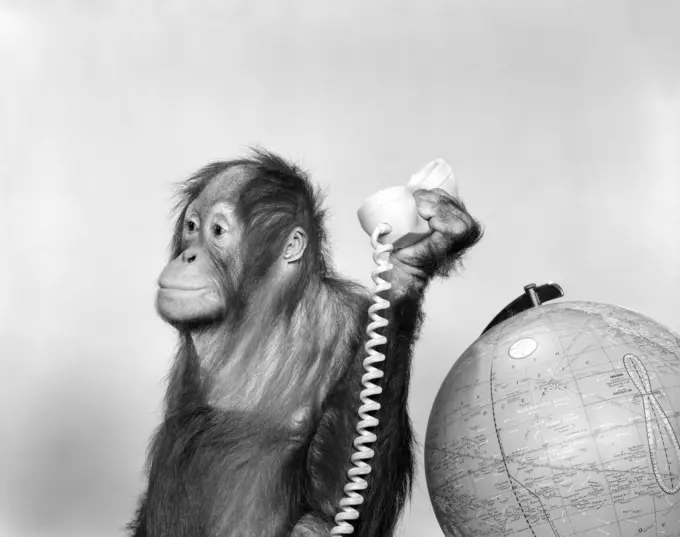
[(218, 230), (191, 226)]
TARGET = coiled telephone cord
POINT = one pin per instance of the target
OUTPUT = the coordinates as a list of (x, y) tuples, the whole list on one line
[(353, 498)]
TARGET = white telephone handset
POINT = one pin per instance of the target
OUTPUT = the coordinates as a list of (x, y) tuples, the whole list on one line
[(397, 207), (391, 218)]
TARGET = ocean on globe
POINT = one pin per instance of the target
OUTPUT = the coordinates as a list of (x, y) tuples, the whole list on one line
[(561, 421)]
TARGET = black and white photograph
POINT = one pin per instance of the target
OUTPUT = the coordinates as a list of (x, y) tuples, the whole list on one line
[(307, 268)]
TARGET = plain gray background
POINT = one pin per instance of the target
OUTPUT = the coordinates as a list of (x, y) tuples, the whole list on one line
[(561, 120)]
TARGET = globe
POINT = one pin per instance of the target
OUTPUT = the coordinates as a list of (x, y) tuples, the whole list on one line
[(561, 421)]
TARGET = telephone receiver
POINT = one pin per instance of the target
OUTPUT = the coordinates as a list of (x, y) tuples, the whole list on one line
[(396, 206)]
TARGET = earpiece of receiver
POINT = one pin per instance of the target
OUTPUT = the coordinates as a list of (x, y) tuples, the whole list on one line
[(396, 206)]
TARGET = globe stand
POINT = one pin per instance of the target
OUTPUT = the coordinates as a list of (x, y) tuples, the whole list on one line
[(533, 297)]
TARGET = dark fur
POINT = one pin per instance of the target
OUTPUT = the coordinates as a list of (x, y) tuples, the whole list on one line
[(248, 473)]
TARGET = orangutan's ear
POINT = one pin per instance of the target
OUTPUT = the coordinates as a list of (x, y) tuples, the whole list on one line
[(295, 247)]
